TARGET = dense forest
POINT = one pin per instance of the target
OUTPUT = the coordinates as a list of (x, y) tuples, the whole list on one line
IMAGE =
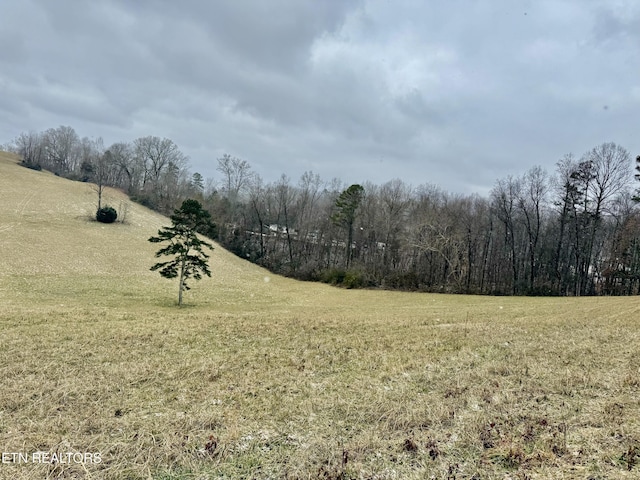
[(574, 231)]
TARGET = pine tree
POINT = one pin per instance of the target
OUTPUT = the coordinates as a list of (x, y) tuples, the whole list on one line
[(345, 214), (190, 261)]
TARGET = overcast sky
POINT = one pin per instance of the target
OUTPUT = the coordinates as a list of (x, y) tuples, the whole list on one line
[(456, 93)]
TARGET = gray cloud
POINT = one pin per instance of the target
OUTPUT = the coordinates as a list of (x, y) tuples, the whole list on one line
[(455, 93)]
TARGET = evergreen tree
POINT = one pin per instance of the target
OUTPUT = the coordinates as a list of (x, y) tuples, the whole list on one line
[(345, 214), (190, 261)]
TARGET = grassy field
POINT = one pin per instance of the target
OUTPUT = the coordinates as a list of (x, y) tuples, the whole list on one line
[(264, 377)]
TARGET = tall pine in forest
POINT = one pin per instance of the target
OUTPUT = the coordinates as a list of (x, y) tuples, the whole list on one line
[(344, 216)]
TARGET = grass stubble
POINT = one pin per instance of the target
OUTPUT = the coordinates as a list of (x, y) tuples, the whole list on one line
[(264, 377)]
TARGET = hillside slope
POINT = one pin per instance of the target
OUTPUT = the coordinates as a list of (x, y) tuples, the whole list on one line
[(265, 377), (53, 248)]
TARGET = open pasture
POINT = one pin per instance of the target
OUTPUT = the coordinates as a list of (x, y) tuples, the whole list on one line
[(264, 377)]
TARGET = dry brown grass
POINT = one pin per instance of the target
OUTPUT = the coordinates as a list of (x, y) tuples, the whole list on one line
[(264, 377)]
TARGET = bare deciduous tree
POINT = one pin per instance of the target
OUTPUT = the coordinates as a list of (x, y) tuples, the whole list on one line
[(30, 147), (160, 160), (237, 176), (531, 200), (62, 149)]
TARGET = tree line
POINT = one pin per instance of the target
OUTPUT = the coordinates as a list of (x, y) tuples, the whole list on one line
[(573, 231), (151, 170)]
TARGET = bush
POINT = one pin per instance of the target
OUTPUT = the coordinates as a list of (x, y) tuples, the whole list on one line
[(346, 278), (402, 281), (333, 276), (32, 166), (210, 230), (354, 279), (106, 215), (309, 272), (145, 201)]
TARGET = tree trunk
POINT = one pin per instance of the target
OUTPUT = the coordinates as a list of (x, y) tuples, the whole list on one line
[(181, 282), (349, 242)]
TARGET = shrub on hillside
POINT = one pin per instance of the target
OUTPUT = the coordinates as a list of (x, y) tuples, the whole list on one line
[(32, 166), (309, 272), (210, 230), (346, 278), (333, 276), (402, 281), (106, 215), (353, 279), (145, 201)]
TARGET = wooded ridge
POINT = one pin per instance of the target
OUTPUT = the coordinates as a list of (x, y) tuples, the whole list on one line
[(575, 231)]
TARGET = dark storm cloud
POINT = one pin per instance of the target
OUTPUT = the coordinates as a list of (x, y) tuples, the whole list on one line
[(456, 93)]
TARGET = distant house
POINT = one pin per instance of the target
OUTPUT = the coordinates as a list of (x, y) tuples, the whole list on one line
[(276, 229)]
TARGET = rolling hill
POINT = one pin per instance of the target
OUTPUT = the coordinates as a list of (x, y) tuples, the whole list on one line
[(260, 376), (47, 225)]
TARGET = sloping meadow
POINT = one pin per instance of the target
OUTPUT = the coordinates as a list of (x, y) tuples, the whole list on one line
[(264, 377)]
